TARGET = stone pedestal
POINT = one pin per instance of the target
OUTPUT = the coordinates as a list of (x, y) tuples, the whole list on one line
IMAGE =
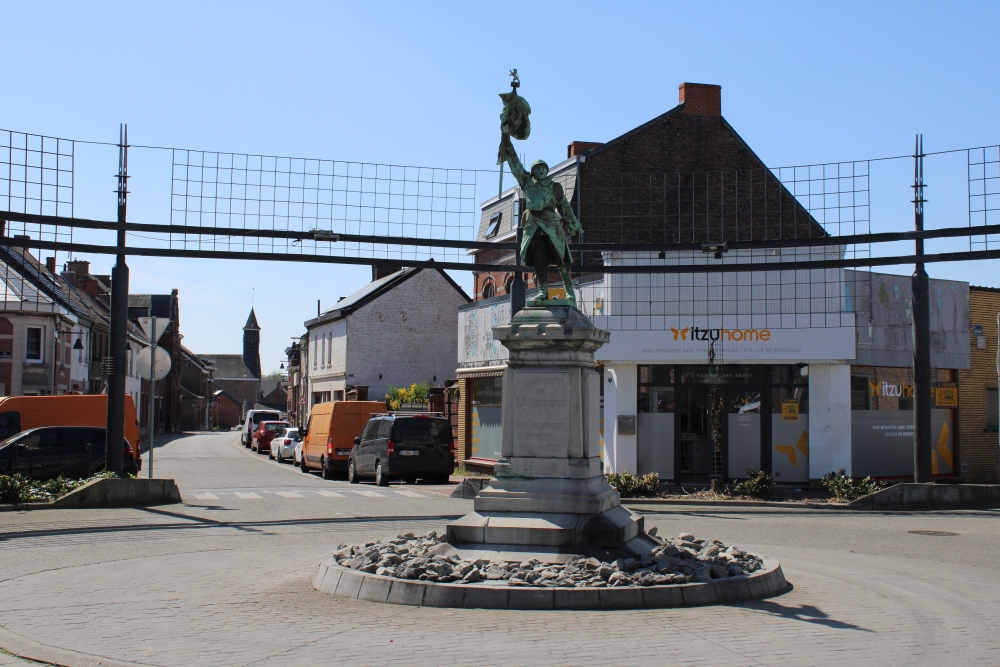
[(549, 495)]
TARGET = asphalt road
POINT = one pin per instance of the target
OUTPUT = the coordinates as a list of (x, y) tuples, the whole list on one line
[(224, 579)]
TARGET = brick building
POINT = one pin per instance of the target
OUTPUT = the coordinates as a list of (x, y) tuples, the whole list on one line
[(806, 370), (977, 392)]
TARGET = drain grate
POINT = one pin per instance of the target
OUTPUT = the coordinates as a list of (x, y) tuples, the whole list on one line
[(933, 533)]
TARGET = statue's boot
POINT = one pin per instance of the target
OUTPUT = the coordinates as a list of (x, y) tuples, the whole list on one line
[(568, 283), (543, 291)]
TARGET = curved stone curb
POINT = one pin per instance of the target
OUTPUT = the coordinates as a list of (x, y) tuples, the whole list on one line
[(343, 582)]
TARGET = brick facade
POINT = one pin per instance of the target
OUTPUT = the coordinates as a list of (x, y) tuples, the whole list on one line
[(979, 450)]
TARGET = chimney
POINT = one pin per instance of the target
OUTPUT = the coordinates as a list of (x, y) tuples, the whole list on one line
[(701, 99), (380, 271), (580, 147), (50, 264), (79, 267), (90, 287)]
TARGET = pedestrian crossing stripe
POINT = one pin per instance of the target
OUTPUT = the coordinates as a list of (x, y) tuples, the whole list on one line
[(302, 493)]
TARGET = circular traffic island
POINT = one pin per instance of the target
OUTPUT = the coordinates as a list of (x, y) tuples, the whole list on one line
[(425, 571)]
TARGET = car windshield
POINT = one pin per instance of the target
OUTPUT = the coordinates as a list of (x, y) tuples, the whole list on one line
[(264, 416), (423, 431), (292, 433), (275, 427)]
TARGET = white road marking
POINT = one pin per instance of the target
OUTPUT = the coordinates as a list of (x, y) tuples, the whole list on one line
[(408, 494), (369, 494), (289, 494), (247, 496), (331, 494), (206, 496)]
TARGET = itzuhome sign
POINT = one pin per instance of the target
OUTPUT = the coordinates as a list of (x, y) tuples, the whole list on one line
[(691, 343)]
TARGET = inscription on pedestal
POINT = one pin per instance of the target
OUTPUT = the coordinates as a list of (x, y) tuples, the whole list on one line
[(541, 412)]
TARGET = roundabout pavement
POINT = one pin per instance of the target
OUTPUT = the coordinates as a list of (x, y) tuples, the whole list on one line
[(229, 582)]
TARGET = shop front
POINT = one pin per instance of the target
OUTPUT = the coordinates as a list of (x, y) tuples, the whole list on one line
[(702, 422)]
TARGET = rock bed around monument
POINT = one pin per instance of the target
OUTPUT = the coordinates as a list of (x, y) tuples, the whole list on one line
[(679, 560)]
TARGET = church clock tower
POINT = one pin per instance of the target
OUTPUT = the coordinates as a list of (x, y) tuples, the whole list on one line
[(251, 344)]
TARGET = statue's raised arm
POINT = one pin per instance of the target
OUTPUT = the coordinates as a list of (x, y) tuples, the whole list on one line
[(509, 155)]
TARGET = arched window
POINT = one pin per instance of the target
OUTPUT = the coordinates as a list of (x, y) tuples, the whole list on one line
[(489, 288), (508, 283)]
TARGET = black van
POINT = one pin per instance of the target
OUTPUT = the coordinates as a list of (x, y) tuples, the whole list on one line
[(53, 451), (402, 446)]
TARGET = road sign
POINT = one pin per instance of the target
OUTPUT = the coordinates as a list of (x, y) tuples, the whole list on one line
[(160, 365), (302, 400), (154, 327)]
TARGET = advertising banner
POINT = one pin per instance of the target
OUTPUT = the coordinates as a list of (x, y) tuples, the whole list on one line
[(692, 344)]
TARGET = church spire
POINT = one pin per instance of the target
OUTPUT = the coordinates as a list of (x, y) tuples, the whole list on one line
[(251, 344)]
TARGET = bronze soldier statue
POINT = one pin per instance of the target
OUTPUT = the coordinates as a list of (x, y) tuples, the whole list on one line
[(545, 223)]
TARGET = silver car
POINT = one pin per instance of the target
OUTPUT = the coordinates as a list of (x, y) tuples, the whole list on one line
[(283, 444)]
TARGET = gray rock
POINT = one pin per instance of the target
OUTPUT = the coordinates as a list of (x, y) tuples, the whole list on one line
[(472, 576)]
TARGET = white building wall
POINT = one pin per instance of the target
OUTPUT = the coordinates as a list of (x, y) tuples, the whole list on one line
[(620, 387), (406, 335), (829, 419)]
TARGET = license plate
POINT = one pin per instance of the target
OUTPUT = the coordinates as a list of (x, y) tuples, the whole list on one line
[(343, 452), (408, 452)]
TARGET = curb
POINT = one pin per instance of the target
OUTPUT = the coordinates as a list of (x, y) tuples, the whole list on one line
[(28, 649), (343, 582), (112, 492)]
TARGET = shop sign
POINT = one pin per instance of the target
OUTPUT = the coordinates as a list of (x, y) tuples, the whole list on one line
[(789, 409), (946, 394), (691, 342), (4, 355)]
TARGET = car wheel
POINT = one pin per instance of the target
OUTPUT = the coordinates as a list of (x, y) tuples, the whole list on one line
[(352, 473), (302, 465), (325, 469), (279, 458), (380, 478), (270, 453)]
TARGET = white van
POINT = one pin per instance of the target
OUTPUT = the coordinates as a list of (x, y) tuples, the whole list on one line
[(253, 419)]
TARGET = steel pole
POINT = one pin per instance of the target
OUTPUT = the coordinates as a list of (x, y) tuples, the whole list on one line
[(922, 468), (114, 453)]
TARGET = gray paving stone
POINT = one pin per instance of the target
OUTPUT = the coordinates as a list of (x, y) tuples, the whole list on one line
[(700, 594), (658, 597), (406, 592), (350, 584), (621, 598), (486, 597), (576, 598), (531, 598), (444, 595), (375, 589)]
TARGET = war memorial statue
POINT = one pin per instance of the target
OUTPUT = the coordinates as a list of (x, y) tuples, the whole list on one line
[(548, 217)]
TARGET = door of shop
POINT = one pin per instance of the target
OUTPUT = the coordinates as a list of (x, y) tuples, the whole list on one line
[(719, 431), (743, 429)]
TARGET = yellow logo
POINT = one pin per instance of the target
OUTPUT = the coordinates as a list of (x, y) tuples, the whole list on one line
[(682, 334)]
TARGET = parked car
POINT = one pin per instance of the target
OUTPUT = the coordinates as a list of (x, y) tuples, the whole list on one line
[(264, 433), (252, 421), (330, 434), (407, 446), (20, 413), (283, 444), (68, 451), (297, 456)]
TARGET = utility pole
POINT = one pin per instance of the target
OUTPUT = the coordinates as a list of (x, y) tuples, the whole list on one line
[(114, 452), (921, 333)]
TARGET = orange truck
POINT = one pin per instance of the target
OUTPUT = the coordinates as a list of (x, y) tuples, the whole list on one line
[(330, 434), (19, 413)]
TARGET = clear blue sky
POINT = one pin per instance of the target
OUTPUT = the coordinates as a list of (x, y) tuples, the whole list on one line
[(417, 83)]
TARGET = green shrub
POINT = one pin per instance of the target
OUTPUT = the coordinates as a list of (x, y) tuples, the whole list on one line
[(20, 489), (635, 486), (758, 484), (845, 488)]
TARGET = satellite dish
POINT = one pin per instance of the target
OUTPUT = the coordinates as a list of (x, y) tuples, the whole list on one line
[(160, 366)]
